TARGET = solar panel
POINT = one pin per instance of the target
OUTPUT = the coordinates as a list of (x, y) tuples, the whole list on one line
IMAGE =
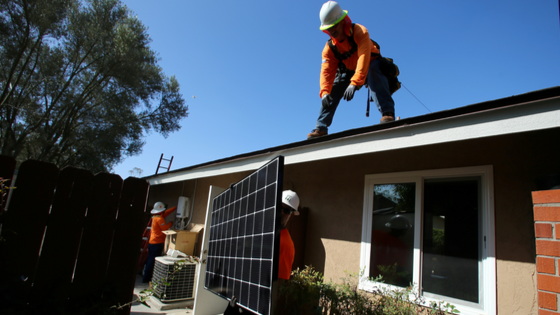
[(243, 245)]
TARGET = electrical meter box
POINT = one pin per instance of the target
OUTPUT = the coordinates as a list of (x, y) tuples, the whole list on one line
[(183, 206)]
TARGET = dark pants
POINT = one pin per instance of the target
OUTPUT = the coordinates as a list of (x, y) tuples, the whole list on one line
[(154, 250), (379, 90)]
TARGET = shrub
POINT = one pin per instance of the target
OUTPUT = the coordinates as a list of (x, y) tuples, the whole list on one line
[(301, 294), (307, 293)]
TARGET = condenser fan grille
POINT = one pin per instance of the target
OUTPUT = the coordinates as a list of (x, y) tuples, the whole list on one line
[(181, 283)]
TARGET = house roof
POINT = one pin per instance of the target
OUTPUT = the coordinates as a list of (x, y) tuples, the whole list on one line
[(519, 113)]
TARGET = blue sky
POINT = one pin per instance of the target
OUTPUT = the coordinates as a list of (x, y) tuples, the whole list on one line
[(254, 65)]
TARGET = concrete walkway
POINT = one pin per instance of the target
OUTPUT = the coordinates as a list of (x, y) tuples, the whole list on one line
[(140, 309)]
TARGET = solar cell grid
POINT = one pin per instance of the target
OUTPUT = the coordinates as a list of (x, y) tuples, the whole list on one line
[(242, 248)]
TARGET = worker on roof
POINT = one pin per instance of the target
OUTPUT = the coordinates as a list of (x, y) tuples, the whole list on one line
[(358, 61), (157, 237)]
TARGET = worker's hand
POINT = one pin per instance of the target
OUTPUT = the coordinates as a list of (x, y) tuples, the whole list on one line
[(233, 302), (327, 100), (349, 94), (233, 308)]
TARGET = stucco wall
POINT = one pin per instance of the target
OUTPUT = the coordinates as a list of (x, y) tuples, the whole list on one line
[(197, 190), (333, 191)]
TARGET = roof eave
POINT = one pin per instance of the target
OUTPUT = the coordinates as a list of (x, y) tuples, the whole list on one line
[(492, 118)]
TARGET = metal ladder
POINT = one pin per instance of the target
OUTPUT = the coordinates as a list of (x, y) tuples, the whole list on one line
[(167, 160)]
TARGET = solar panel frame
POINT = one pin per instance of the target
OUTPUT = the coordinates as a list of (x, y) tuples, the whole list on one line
[(244, 240)]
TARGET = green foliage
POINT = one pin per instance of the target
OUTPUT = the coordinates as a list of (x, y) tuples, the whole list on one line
[(307, 293), (438, 241), (391, 275), (79, 84), (401, 197), (345, 298), (302, 291)]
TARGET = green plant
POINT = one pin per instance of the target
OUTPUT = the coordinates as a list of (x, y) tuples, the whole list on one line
[(307, 293), (345, 298), (438, 240), (391, 274), (441, 308), (401, 301), (301, 292)]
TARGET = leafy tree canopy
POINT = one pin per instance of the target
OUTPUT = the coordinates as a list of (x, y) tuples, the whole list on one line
[(79, 84)]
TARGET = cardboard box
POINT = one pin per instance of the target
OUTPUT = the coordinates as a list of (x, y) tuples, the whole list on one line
[(184, 241)]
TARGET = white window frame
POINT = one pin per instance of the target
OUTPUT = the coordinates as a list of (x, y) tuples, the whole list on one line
[(487, 304)]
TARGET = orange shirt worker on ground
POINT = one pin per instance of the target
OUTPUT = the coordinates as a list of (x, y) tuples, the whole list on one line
[(290, 204), (157, 238)]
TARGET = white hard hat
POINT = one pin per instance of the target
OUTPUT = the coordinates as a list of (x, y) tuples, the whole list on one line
[(158, 207), (330, 14), (291, 199)]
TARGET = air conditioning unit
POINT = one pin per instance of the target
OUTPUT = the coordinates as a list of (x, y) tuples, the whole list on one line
[(182, 283)]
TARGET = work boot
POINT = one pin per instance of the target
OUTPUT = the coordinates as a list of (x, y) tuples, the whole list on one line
[(387, 117), (316, 133)]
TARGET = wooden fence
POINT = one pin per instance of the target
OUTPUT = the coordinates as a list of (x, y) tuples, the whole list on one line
[(70, 239)]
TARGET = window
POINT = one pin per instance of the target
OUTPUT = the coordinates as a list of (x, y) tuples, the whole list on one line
[(434, 229)]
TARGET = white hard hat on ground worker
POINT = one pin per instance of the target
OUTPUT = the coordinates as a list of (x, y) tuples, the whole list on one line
[(291, 199), (158, 207), (330, 14)]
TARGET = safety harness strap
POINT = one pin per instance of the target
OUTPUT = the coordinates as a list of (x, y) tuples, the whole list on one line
[(353, 48), (346, 55), (394, 83)]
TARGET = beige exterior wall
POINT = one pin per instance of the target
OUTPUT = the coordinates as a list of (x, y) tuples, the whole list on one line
[(333, 190), (196, 189)]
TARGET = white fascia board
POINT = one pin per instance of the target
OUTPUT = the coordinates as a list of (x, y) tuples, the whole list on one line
[(238, 165), (538, 115)]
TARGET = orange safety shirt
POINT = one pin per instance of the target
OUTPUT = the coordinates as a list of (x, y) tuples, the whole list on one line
[(359, 61), (287, 252), (159, 225)]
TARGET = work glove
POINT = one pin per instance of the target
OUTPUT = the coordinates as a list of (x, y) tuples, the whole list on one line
[(326, 101), (349, 93)]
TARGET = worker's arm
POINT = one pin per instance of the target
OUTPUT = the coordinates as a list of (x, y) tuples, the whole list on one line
[(166, 226), (168, 212), (361, 36), (159, 225), (329, 66)]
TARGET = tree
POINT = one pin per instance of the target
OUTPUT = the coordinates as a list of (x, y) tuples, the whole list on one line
[(136, 172), (80, 85)]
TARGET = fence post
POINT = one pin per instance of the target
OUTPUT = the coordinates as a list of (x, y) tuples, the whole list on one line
[(25, 221), (127, 238), (62, 238), (97, 237)]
